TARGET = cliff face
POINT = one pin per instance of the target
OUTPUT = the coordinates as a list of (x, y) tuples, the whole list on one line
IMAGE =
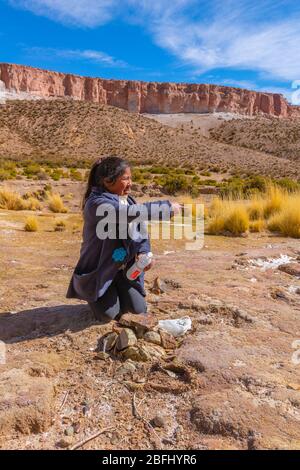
[(144, 97)]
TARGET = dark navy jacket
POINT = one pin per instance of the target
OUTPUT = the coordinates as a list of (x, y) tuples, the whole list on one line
[(100, 260)]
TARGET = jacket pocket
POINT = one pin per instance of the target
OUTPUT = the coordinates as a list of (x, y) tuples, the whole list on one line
[(86, 285)]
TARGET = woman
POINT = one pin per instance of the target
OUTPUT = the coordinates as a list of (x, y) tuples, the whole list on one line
[(100, 274)]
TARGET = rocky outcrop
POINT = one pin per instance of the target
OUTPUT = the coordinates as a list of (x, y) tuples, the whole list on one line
[(143, 97)]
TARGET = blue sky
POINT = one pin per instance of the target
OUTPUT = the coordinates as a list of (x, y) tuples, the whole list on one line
[(249, 44)]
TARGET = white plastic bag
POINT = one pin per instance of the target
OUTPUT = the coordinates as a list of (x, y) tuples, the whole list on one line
[(176, 327)]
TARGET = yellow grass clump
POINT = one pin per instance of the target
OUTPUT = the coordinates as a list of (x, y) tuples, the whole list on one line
[(255, 208), (11, 201), (56, 204), (268, 204), (31, 224), (193, 207), (276, 210), (75, 228), (59, 226), (216, 206), (32, 204), (237, 220), (228, 216), (216, 225), (257, 226), (273, 224), (274, 200), (287, 222)]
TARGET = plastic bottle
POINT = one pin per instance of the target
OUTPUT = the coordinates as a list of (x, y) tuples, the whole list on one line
[(138, 267)]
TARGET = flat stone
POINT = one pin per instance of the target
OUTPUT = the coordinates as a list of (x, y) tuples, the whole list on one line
[(138, 322), (152, 351), (159, 286), (278, 293), (69, 431), (167, 340), (294, 386), (108, 341), (239, 314), (293, 269), (126, 338), (135, 353), (76, 428), (152, 337), (127, 368), (65, 442), (158, 421), (143, 352), (103, 356)]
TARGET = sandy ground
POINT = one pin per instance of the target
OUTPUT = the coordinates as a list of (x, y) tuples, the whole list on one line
[(204, 122), (241, 384)]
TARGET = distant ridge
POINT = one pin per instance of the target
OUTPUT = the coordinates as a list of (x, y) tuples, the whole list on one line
[(22, 82)]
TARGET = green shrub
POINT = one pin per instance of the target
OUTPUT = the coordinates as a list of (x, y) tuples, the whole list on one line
[(4, 174), (288, 184), (75, 174), (32, 170), (8, 170), (237, 186), (176, 184), (159, 170), (56, 174)]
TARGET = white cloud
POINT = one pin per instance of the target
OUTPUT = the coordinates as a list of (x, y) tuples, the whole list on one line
[(98, 57), (87, 13), (235, 38), (203, 34)]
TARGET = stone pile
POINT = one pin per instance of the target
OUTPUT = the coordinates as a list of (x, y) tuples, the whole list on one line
[(137, 339)]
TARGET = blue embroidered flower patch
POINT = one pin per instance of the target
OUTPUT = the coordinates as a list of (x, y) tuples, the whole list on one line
[(119, 254)]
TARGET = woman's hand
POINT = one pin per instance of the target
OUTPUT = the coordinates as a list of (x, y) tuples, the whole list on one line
[(149, 266)]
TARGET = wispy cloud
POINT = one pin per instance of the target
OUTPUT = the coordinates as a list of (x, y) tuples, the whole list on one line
[(97, 57), (86, 13), (236, 35), (203, 34)]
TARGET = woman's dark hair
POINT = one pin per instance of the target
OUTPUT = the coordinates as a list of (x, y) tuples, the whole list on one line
[(109, 168)]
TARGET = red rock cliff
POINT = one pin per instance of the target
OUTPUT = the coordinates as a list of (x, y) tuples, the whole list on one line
[(145, 97)]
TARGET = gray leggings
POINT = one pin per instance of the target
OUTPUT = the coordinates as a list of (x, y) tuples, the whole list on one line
[(120, 297)]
